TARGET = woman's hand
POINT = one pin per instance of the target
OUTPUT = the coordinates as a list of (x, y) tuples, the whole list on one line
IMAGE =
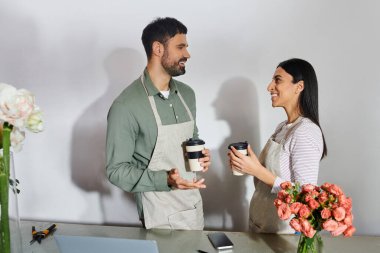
[(242, 163), (250, 165)]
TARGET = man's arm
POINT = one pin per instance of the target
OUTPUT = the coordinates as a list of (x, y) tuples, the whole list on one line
[(122, 131)]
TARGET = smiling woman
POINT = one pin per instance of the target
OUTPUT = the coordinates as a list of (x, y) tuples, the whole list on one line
[(285, 93), (295, 149)]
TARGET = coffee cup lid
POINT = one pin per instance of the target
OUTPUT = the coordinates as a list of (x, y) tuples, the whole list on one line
[(194, 142), (239, 145)]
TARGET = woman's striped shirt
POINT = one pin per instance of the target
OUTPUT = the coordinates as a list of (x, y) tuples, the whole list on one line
[(300, 153)]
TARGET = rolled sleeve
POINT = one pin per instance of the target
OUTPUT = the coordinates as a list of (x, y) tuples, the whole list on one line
[(161, 181), (277, 185)]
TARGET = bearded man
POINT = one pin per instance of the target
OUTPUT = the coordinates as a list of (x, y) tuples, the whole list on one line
[(147, 126)]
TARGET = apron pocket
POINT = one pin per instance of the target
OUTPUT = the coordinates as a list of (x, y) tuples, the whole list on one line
[(190, 219), (254, 226)]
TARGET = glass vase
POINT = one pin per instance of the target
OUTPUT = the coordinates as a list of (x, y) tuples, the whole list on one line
[(10, 232), (310, 245)]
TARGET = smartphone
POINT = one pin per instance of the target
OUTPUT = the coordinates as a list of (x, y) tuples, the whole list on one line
[(220, 241)]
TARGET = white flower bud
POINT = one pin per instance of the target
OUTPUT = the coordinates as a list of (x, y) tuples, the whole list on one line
[(17, 137), (34, 122)]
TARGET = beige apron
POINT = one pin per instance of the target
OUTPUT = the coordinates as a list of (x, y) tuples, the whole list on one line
[(176, 209), (263, 216)]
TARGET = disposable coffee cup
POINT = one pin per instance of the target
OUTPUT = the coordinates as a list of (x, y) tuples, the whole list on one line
[(241, 147), (194, 149)]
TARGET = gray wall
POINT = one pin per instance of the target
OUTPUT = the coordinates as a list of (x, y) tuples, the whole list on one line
[(76, 56)]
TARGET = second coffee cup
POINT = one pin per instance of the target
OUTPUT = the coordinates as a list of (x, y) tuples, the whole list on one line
[(241, 147), (194, 149)]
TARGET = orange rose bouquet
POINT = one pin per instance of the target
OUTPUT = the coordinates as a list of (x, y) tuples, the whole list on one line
[(313, 209)]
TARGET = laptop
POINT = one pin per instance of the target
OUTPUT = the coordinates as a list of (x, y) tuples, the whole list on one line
[(88, 244)]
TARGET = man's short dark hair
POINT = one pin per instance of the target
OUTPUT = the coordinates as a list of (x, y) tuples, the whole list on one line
[(161, 30)]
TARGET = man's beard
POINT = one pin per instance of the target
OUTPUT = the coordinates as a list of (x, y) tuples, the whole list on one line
[(172, 68)]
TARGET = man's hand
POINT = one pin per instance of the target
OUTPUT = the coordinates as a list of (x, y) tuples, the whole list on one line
[(206, 160), (176, 181)]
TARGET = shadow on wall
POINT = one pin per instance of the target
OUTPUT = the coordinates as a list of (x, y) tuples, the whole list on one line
[(236, 103), (88, 157)]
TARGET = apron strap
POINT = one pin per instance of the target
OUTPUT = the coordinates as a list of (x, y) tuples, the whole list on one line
[(155, 112), (294, 126), (277, 131), (154, 107), (185, 105), (151, 101)]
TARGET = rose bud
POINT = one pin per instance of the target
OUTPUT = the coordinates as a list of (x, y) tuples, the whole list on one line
[(339, 230), (308, 197), (313, 204), (306, 226), (349, 231), (342, 199), (315, 193), (322, 198), (348, 219), (288, 199), (282, 195), (330, 225), (348, 204), (283, 211), (308, 188), (326, 186), (310, 233), (325, 213), (295, 224), (304, 211), (286, 185), (339, 213), (277, 202), (295, 207), (336, 190)]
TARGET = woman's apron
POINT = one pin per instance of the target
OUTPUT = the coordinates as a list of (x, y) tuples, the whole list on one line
[(263, 217), (176, 209)]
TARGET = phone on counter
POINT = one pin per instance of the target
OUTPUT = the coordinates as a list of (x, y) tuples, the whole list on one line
[(220, 241)]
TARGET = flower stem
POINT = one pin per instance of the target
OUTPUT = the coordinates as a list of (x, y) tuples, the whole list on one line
[(310, 245), (7, 129), (4, 190)]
